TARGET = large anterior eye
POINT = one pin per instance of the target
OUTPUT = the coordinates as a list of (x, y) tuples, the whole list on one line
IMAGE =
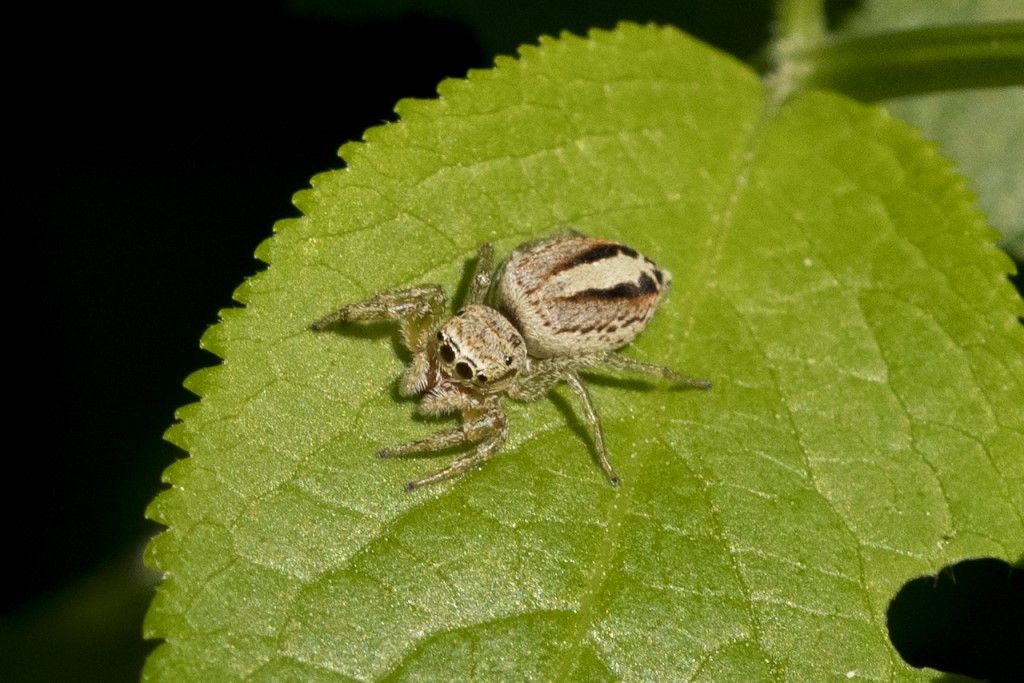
[(463, 370), (447, 355)]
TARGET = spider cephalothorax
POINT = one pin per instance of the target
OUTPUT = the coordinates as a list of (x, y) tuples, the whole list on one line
[(480, 347), (561, 305)]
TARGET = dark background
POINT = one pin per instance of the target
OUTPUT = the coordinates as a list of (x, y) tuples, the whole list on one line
[(152, 157)]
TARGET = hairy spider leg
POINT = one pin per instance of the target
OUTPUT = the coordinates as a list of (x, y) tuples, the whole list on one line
[(545, 373), (489, 427), (594, 421), (483, 274), (640, 367), (418, 309)]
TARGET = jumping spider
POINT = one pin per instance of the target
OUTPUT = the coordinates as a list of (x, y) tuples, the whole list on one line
[(560, 305)]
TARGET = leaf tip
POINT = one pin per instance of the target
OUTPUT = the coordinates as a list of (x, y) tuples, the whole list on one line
[(348, 153)]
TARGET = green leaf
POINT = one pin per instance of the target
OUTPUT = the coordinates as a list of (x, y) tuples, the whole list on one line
[(831, 277), (982, 130)]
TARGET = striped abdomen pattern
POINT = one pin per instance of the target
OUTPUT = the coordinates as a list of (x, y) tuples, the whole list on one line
[(576, 294)]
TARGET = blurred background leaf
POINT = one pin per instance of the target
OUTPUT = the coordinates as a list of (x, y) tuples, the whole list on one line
[(981, 130)]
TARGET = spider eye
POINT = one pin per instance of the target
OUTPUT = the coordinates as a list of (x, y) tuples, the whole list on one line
[(440, 337), (508, 360), (447, 355), (482, 379), (461, 311), (463, 370)]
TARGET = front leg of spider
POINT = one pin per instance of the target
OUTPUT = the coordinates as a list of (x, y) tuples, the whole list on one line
[(418, 309), (486, 427)]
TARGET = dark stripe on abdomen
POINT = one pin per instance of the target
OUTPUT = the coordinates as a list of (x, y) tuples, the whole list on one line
[(624, 290), (593, 255)]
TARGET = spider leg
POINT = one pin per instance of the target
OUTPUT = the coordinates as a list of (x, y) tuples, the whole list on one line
[(483, 274), (438, 441), (484, 451), (419, 310), (489, 429), (533, 386), (657, 371), (545, 373), (594, 420)]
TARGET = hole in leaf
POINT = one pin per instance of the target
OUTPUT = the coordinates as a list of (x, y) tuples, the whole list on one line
[(969, 620)]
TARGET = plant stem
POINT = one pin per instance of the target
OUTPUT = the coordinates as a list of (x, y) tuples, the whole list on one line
[(800, 21), (916, 61), (799, 29)]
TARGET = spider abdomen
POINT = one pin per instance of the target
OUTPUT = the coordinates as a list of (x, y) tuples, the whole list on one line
[(572, 294)]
